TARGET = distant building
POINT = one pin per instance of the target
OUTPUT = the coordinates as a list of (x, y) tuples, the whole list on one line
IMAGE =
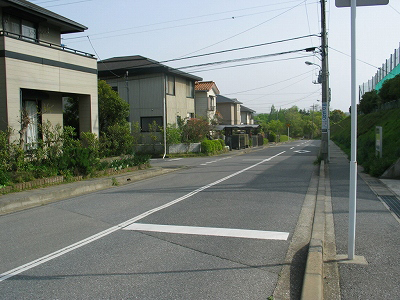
[(154, 91), (229, 108), (36, 71), (206, 99), (246, 115)]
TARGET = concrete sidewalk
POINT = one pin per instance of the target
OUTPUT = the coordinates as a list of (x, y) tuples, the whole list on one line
[(377, 235)]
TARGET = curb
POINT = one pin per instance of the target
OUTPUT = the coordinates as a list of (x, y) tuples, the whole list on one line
[(313, 275), (27, 199)]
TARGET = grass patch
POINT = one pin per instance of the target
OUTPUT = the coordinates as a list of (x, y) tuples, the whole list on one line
[(390, 122)]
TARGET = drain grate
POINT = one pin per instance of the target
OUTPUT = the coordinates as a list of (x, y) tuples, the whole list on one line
[(393, 203)]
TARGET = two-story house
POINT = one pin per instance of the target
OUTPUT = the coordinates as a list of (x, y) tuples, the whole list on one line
[(206, 99), (246, 115), (154, 91), (229, 109), (37, 71)]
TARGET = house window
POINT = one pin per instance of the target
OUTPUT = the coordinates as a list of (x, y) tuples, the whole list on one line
[(190, 89), (31, 112), (190, 115), (147, 122), (115, 88), (22, 28), (170, 85)]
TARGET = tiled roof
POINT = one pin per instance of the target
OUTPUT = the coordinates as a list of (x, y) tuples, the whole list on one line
[(223, 99), (246, 109), (137, 65), (66, 25), (205, 86)]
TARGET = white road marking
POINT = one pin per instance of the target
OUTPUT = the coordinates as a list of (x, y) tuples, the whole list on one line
[(173, 159), (291, 148), (46, 258), (210, 231), (213, 161), (301, 151)]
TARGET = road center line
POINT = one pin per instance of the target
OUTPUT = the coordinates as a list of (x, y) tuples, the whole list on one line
[(210, 231), (108, 231)]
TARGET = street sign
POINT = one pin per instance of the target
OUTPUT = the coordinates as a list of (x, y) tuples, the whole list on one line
[(378, 141), (324, 116), (347, 3)]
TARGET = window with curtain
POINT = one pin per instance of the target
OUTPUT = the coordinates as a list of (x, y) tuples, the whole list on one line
[(20, 27)]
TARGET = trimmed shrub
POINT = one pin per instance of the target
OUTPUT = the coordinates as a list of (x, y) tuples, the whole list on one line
[(211, 146)]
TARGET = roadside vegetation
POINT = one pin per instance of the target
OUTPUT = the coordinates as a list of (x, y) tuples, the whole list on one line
[(376, 108), (366, 156), (384, 98), (62, 151), (301, 123)]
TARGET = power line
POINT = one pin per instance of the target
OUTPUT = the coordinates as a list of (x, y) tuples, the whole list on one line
[(243, 59), (394, 9), (357, 58), (259, 88), (246, 29), (61, 3), (177, 20), (248, 64), (241, 48), (280, 89), (100, 58)]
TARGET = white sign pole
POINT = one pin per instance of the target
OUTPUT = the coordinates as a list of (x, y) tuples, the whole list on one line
[(353, 162)]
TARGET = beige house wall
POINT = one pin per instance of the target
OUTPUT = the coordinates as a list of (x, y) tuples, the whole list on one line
[(236, 108), (63, 79), (179, 104), (201, 104), (52, 110), (146, 94), (227, 112)]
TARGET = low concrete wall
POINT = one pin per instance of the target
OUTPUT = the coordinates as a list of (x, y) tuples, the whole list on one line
[(171, 149), (393, 172), (184, 148)]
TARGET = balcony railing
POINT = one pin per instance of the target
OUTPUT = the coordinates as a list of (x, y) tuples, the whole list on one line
[(44, 43)]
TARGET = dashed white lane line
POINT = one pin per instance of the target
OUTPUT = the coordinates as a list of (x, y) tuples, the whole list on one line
[(214, 161), (210, 231), (51, 256)]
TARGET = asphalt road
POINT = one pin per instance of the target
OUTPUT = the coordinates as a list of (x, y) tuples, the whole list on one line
[(218, 229)]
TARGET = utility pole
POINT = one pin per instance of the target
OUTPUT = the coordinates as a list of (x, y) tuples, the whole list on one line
[(325, 151)]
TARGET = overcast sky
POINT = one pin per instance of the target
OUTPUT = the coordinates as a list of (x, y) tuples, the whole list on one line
[(164, 30)]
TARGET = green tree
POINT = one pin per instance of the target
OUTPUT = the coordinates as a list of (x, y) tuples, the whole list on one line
[(112, 108), (293, 117), (275, 126), (390, 89), (195, 130), (337, 115), (369, 102)]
